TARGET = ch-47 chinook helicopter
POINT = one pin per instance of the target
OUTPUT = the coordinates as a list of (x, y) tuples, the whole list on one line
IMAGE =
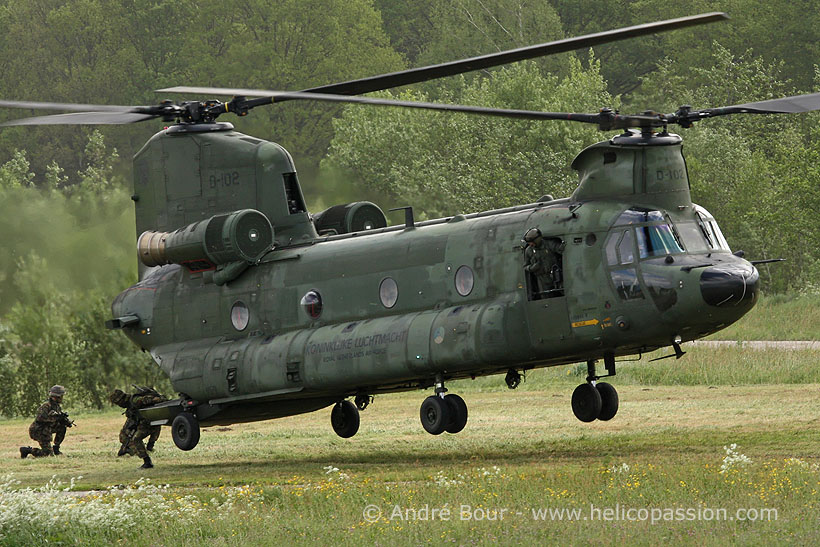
[(257, 309)]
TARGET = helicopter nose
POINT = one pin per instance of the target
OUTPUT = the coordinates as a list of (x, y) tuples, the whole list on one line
[(733, 284)]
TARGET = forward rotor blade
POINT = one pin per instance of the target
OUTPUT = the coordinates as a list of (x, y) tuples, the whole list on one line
[(785, 105), (795, 104), (423, 74), (82, 118)]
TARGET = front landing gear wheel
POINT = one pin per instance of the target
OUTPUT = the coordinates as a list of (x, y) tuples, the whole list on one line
[(458, 413), (586, 403), (609, 401), (435, 415), (345, 419), (185, 431)]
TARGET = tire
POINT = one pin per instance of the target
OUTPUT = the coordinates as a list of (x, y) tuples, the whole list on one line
[(345, 419), (586, 403), (609, 401), (185, 431), (435, 415), (458, 413)]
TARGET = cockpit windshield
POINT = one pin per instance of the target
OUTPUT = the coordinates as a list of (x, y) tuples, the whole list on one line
[(654, 234), (656, 240)]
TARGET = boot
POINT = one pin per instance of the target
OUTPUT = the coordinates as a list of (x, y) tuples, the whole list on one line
[(25, 451), (150, 446), (57, 450), (147, 463), (123, 451)]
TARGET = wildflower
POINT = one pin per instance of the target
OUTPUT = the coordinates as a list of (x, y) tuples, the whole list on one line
[(623, 468), (733, 459)]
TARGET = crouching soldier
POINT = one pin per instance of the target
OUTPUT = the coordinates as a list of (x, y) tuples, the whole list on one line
[(50, 420), (129, 429), (142, 428)]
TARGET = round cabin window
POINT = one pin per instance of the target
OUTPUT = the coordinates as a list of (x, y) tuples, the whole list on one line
[(240, 316), (312, 304), (464, 280), (388, 292)]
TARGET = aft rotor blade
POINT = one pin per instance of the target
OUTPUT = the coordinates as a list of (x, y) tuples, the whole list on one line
[(606, 120), (82, 118), (423, 74), (278, 96), (72, 107)]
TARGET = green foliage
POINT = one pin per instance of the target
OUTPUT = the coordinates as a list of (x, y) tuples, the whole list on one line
[(115, 52), (56, 336), (15, 173), (68, 251), (97, 173), (409, 25), (452, 163), (468, 28), (85, 232)]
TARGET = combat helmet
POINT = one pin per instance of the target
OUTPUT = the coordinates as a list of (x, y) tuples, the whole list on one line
[(532, 235), (56, 391), (117, 396)]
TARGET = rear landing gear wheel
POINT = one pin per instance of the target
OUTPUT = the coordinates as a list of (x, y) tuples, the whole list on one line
[(586, 402), (185, 431), (609, 401), (435, 415), (458, 413), (345, 419)]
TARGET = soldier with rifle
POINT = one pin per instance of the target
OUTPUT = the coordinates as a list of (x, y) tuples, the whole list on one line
[(50, 420)]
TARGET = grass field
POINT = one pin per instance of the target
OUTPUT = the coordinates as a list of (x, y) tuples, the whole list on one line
[(524, 470), (292, 479)]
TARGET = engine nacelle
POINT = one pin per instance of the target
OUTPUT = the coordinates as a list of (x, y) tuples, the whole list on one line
[(349, 217), (241, 236)]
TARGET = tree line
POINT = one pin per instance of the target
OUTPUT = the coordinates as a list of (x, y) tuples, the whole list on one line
[(67, 223)]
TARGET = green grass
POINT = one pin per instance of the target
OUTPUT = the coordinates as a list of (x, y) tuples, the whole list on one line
[(521, 451)]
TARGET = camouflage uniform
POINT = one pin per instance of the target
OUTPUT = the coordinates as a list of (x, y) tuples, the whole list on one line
[(48, 421), (137, 428), (128, 430), (542, 258)]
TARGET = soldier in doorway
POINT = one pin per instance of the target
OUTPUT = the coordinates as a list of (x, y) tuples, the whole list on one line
[(542, 259)]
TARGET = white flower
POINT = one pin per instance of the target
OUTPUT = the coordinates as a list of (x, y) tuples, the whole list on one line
[(733, 459), (623, 468)]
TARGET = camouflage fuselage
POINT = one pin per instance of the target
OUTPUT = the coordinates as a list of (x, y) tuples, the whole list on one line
[(439, 325)]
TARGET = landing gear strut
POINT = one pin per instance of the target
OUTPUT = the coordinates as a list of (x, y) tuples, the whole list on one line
[(596, 400), (362, 401), (513, 379), (440, 412)]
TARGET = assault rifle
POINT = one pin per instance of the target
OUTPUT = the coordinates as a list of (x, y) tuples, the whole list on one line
[(64, 420)]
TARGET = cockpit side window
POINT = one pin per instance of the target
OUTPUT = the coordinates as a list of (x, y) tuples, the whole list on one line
[(619, 248), (710, 230), (626, 249)]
